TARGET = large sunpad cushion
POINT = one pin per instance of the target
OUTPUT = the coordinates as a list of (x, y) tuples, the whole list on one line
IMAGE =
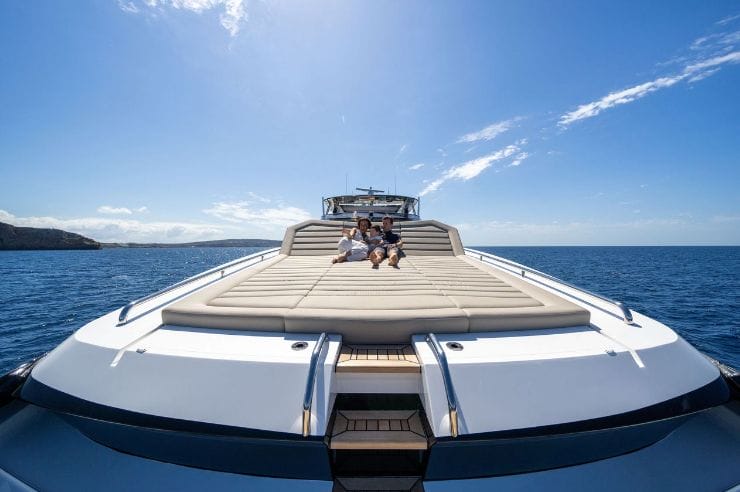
[(428, 293)]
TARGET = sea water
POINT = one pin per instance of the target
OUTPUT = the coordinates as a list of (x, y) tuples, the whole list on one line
[(46, 295)]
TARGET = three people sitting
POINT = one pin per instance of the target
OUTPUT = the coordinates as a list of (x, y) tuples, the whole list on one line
[(368, 241)]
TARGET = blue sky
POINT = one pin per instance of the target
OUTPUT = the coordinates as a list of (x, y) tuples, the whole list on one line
[(520, 122)]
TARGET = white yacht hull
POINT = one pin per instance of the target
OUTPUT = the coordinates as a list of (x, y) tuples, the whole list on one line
[(40, 451)]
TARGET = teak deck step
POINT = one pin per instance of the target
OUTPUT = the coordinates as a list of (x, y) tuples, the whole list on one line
[(378, 358), (378, 429)]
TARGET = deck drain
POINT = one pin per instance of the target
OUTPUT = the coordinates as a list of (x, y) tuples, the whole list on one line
[(299, 345), (454, 346)]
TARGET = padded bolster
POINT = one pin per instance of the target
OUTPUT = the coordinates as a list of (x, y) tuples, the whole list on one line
[(422, 238), (252, 319), (376, 326), (507, 319)]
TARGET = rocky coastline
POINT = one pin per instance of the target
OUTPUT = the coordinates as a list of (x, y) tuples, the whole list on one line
[(31, 238), (219, 243)]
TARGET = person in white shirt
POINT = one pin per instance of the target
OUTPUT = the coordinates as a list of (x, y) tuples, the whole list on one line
[(353, 245)]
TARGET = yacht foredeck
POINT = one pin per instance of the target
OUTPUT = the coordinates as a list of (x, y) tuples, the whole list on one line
[(441, 358), (436, 289)]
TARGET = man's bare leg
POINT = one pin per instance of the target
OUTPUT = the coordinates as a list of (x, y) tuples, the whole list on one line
[(376, 257), (393, 257)]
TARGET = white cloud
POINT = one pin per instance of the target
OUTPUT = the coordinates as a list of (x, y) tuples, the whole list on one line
[(727, 20), (724, 219), (490, 132), (699, 43), (647, 231), (233, 12), (714, 44), (267, 218), (693, 72), (519, 159), (416, 167), (402, 150), (107, 209), (259, 198), (128, 7), (116, 230), (470, 169), (733, 57), (703, 75), (616, 98)]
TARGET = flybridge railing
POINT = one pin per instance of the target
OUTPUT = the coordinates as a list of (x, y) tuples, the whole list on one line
[(523, 270), (259, 257)]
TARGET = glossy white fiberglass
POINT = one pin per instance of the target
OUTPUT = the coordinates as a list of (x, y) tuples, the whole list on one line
[(522, 379), (502, 380), (229, 377)]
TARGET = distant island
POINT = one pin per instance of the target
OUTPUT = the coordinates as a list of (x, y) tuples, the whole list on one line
[(221, 243), (31, 238), (22, 238)]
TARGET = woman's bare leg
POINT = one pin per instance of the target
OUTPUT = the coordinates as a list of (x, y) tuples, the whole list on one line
[(342, 257)]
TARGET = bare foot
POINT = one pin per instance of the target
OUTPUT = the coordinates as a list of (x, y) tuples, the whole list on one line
[(375, 259)]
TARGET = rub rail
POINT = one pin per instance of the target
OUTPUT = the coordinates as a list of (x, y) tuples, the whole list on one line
[(310, 382), (123, 316), (485, 257), (439, 354)]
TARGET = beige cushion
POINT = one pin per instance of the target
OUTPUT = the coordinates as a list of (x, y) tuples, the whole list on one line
[(442, 294)]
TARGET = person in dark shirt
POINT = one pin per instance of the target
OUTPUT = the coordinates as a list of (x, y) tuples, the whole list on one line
[(390, 247)]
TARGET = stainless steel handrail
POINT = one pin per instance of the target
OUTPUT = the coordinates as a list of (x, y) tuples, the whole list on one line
[(310, 381), (626, 313), (123, 316), (441, 357)]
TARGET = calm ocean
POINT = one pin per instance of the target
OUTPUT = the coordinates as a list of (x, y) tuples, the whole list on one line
[(46, 295)]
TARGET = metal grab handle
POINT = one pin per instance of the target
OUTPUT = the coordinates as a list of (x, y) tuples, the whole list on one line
[(123, 316), (441, 357), (310, 382), (626, 313)]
